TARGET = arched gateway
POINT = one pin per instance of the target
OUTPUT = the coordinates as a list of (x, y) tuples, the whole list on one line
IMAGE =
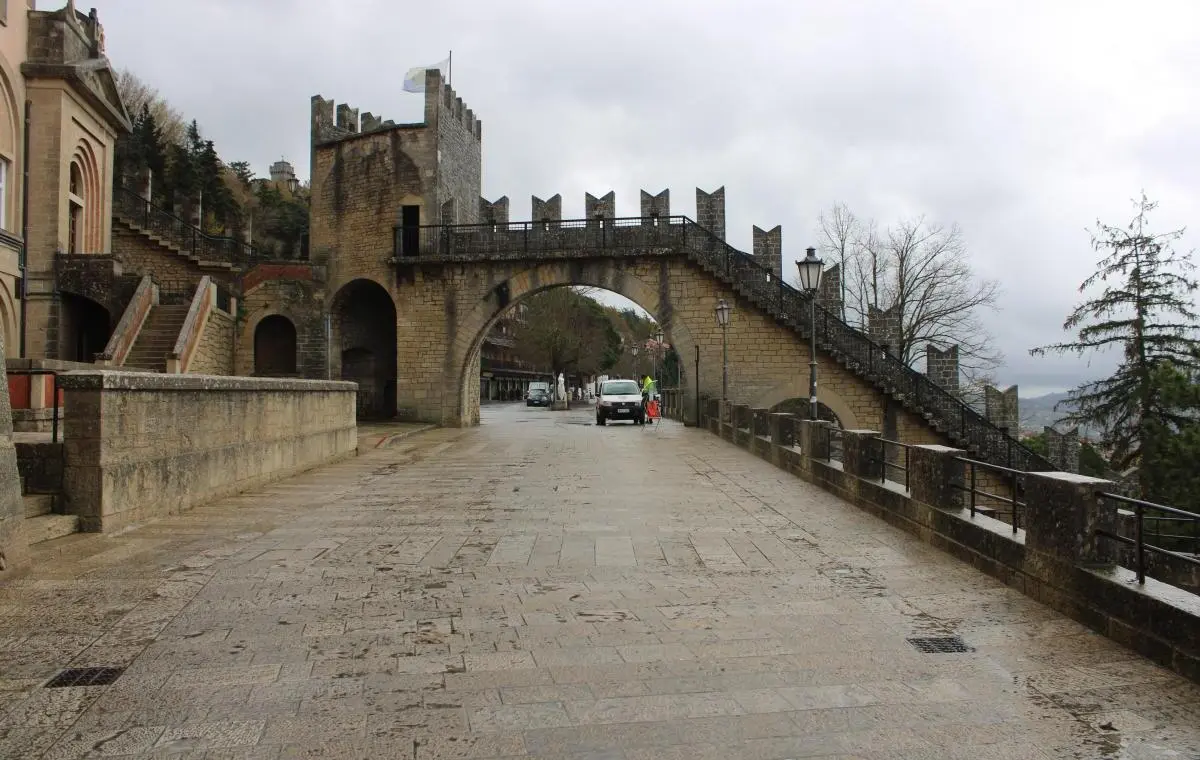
[(398, 206)]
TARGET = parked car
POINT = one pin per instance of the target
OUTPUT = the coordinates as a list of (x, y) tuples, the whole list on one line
[(537, 386), (620, 400), (537, 397)]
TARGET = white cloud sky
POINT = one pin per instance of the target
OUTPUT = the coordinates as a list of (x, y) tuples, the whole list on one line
[(1023, 122)]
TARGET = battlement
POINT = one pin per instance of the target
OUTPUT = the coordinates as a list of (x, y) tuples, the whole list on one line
[(443, 103), (332, 121)]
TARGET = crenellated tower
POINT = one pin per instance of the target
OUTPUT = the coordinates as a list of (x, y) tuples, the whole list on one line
[(373, 177)]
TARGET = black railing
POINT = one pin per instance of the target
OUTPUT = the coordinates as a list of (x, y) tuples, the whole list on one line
[(1001, 506), (833, 438), (31, 373), (180, 233), (887, 452), (1173, 518), (643, 236)]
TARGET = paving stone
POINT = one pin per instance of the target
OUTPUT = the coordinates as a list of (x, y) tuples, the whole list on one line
[(409, 603)]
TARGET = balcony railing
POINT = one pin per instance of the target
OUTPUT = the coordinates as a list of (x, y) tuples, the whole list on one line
[(643, 236)]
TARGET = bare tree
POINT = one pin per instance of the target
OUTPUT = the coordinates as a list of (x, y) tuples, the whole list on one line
[(136, 93), (921, 269), (839, 231)]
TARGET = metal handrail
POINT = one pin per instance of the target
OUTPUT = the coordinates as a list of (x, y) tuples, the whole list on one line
[(181, 232), (883, 444), (661, 235), (1015, 488), (53, 397), (1139, 537)]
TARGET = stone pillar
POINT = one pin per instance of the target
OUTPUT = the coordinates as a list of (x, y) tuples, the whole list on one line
[(710, 211), (493, 212), (347, 118), (941, 367), (933, 473), (884, 327), (1002, 410), (604, 207), (712, 410), (742, 419), (768, 249), (14, 553), (1062, 449), (759, 422), (1062, 514), (782, 428), (862, 454), (812, 439), (656, 208), (829, 295), (548, 211)]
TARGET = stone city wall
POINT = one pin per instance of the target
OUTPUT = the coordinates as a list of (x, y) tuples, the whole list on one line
[(139, 446)]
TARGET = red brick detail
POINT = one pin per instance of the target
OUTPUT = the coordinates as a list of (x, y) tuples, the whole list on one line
[(263, 272)]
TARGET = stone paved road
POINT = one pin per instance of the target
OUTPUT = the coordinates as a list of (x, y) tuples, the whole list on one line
[(543, 587)]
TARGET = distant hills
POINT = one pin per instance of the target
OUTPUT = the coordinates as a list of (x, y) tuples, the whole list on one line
[(1038, 411)]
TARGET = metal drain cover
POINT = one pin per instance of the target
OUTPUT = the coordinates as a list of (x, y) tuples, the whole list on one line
[(85, 677), (940, 645)]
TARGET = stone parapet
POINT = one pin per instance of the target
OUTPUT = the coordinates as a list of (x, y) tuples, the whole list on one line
[(138, 446), (862, 454)]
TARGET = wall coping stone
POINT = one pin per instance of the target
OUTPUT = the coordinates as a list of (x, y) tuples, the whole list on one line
[(138, 381)]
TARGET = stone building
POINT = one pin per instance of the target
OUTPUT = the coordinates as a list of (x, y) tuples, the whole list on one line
[(55, 75)]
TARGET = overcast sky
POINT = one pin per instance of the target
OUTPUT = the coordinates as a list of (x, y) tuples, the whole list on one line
[(1022, 121)]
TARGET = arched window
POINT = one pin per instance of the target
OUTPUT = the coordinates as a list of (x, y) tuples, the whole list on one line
[(75, 203), (275, 347)]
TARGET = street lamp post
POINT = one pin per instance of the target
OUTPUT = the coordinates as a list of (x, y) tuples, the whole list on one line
[(659, 358), (723, 309), (810, 280), (635, 363)]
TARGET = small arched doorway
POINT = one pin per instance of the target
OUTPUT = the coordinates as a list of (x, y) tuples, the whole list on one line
[(84, 328), (364, 344), (275, 347)]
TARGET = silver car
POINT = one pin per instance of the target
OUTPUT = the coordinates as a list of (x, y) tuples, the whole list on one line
[(620, 400)]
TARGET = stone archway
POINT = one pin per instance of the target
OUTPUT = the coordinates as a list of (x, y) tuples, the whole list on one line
[(275, 347), (363, 345), (84, 327), (826, 396), (462, 408)]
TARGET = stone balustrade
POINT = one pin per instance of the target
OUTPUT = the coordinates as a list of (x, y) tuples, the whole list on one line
[(1059, 558)]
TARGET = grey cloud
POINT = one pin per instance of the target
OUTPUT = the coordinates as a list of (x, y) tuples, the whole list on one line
[(1022, 123)]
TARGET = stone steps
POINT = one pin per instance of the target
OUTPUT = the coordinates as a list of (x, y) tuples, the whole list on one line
[(48, 527), (172, 247), (158, 336)]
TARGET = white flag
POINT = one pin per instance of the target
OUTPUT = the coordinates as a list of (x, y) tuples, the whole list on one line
[(414, 80)]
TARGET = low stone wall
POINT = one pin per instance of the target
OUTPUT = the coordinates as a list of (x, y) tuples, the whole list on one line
[(214, 352), (139, 446), (1059, 558)]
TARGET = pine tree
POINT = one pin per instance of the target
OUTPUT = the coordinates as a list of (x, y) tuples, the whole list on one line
[(1145, 310)]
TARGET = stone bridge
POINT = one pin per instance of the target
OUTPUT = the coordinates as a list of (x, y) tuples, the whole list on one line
[(452, 282)]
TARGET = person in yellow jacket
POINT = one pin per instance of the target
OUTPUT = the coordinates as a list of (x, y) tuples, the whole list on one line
[(647, 394)]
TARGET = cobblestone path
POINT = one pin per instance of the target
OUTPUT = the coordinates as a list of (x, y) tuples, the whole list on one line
[(541, 587)]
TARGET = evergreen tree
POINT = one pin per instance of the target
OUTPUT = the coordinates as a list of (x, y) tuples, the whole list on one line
[(1145, 310)]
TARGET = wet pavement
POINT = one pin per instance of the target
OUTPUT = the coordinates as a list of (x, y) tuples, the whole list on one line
[(542, 587)]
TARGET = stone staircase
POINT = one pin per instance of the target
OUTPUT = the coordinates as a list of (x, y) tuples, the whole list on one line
[(943, 412), (42, 523), (157, 338), (178, 237)]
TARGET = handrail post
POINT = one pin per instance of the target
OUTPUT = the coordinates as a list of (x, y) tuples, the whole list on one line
[(1140, 511), (972, 489), (1015, 520)]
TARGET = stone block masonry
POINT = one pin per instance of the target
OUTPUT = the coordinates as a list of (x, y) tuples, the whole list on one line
[(13, 553), (139, 446)]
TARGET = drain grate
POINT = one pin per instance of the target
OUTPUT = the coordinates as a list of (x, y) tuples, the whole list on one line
[(85, 677), (940, 645)]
